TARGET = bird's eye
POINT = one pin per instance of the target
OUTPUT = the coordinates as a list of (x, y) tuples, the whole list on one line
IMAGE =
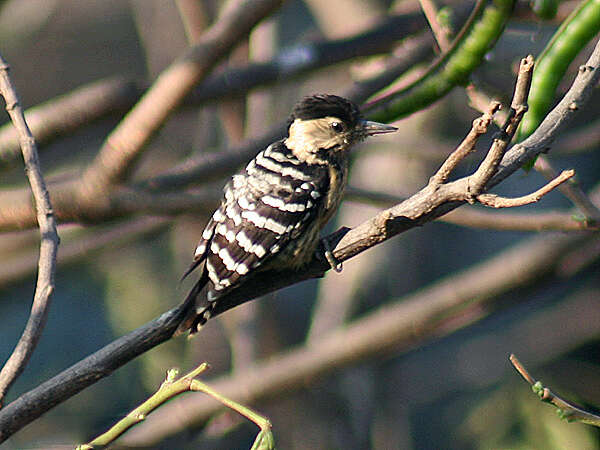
[(338, 127)]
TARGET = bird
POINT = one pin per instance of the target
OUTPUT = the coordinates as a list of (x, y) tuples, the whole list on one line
[(273, 210)]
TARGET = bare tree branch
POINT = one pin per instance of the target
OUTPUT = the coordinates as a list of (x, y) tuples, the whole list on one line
[(71, 111), (480, 127), (424, 206), (495, 201), (124, 144), (80, 107), (49, 239), (570, 190), (518, 107), (395, 327), (475, 217)]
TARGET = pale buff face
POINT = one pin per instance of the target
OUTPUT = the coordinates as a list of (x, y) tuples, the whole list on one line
[(307, 137)]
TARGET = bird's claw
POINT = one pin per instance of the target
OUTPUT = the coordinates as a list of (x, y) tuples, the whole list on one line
[(333, 262)]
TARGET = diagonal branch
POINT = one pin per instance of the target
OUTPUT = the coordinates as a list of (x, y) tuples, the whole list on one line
[(49, 239), (432, 311), (85, 104), (423, 207), (125, 143), (17, 213)]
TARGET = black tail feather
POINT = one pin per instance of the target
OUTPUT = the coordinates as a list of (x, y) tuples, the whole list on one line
[(190, 269), (193, 305)]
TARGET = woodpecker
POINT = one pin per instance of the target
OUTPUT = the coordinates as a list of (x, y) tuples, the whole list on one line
[(273, 210)]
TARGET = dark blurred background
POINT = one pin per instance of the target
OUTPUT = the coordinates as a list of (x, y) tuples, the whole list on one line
[(455, 391)]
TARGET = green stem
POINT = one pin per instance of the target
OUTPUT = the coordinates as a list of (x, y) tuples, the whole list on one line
[(572, 36), (168, 389), (262, 422), (482, 30)]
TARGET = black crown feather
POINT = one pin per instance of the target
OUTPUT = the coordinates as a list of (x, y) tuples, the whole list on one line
[(324, 105)]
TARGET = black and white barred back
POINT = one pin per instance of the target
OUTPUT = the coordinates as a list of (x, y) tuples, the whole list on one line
[(274, 209), (265, 208), (268, 214)]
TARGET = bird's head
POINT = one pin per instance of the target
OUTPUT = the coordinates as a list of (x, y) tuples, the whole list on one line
[(324, 127)]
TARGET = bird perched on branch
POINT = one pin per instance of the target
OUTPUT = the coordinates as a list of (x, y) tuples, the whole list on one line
[(273, 210)]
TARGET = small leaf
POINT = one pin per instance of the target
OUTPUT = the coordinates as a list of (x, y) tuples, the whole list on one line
[(264, 441)]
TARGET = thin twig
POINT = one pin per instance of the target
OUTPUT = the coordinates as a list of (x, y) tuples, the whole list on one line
[(495, 201), (48, 245), (480, 127), (570, 190), (566, 409), (518, 107), (440, 32)]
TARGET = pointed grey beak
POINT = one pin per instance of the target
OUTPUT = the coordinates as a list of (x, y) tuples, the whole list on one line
[(372, 128)]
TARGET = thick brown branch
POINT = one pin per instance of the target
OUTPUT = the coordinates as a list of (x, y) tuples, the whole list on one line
[(125, 143), (49, 239), (474, 217), (394, 327)]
